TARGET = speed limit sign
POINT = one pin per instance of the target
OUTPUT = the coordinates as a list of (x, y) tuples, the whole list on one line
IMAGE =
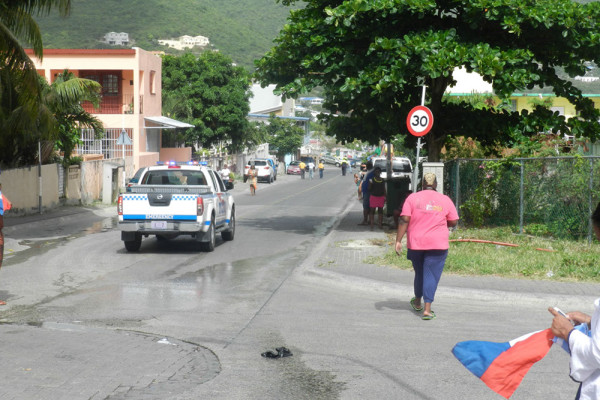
[(419, 121)]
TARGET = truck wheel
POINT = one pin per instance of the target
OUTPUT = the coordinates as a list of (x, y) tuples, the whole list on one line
[(210, 245), (133, 245), (230, 232)]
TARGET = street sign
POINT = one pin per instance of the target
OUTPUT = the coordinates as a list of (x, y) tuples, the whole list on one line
[(419, 121), (124, 138)]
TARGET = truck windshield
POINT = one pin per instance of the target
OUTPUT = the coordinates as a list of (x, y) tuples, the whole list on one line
[(174, 177)]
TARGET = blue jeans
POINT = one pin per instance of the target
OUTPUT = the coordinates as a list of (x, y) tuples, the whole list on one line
[(428, 266)]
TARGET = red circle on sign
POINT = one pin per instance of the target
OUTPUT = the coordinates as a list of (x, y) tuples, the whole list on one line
[(419, 121)]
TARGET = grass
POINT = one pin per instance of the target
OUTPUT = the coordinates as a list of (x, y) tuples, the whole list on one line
[(567, 260)]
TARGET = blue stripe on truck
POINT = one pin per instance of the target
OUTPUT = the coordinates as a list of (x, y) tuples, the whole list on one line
[(160, 217)]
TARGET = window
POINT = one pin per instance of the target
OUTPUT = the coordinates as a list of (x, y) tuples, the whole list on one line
[(152, 82), (110, 85)]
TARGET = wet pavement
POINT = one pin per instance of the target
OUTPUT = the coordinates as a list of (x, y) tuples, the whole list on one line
[(72, 361)]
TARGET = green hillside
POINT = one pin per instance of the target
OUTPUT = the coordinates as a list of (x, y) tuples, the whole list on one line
[(242, 29)]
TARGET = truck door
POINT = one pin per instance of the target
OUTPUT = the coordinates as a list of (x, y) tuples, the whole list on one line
[(220, 199)]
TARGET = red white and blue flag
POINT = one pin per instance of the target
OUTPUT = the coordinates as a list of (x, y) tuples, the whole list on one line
[(502, 366), (5, 204)]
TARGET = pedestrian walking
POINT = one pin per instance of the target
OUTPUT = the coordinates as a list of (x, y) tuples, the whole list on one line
[(311, 170), (344, 166), (4, 206), (302, 167), (377, 195), (585, 358), (253, 176), (425, 218), (321, 169), (364, 188)]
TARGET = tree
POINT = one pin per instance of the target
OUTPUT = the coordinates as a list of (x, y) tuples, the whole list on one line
[(284, 137), (19, 82), (209, 92), (62, 113), (372, 58)]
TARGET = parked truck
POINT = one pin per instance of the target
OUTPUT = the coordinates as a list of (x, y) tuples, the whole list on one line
[(177, 199)]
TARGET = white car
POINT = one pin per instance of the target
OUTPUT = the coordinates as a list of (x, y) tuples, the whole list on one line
[(264, 168), (401, 167)]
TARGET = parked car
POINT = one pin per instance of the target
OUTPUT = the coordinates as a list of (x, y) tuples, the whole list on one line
[(293, 168), (330, 160), (265, 171), (401, 167), (135, 179)]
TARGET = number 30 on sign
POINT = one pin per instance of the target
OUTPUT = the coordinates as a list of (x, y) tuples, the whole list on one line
[(419, 121)]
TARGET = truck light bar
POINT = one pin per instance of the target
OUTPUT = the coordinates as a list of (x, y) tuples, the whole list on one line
[(177, 163)]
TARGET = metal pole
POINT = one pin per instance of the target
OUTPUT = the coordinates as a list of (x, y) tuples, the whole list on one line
[(590, 205), (419, 145), (40, 177), (521, 205)]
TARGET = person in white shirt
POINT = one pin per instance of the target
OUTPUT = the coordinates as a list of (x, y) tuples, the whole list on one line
[(585, 350), (225, 173), (311, 169)]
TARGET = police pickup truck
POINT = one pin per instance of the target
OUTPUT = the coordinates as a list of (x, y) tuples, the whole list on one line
[(177, 199)]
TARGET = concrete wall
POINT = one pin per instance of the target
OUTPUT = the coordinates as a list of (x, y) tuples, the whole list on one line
[(83, 185), (21, 186), (176, 154)]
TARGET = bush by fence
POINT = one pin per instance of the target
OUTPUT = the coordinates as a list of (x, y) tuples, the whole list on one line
[(552, 196)]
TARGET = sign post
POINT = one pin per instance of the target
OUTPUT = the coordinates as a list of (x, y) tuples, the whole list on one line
[(124, 140), (419, 122)]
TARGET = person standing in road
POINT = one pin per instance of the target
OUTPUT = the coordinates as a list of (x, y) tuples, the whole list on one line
[(364, 188), (321, 169), (311, 170), (253, 176), (425, 218), (377, 194), (4, 206), (302, 167), (344, 166), (585, 355)]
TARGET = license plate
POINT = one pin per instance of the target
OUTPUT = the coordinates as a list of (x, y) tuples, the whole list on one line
[(158, 224)]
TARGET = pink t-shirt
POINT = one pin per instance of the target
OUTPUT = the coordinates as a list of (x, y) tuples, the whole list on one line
[(428, 211)]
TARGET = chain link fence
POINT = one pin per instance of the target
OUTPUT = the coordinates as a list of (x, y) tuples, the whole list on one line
[(551, 196)]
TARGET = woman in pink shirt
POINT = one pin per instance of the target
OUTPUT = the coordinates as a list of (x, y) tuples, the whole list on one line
[(425, 218)]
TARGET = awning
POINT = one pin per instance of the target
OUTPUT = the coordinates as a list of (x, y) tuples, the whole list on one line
[(165, 123)]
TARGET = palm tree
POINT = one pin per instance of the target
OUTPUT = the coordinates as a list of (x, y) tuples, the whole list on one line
[(19, 83), (61, 115)]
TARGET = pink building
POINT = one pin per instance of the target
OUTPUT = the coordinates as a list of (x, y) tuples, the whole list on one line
[(131, 102)]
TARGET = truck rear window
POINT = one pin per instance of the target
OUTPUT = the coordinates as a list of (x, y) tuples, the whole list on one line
[(174, 177)]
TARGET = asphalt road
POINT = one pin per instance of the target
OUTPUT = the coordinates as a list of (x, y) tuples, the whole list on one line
[(87, 320)]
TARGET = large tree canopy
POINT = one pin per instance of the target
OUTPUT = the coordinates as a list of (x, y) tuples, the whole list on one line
[(20, 90), (373, 56), (209, 92)]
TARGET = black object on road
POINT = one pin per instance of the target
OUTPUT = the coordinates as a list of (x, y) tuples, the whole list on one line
[(281, 352)]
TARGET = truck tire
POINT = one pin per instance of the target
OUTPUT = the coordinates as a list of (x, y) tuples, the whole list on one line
[(133, 245), (210, 244), (228, 234)]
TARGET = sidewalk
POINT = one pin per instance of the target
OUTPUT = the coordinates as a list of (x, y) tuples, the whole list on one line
[(351, 248)]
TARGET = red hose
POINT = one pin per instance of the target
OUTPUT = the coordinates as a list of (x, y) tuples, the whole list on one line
[(485, 241), (498, 243)]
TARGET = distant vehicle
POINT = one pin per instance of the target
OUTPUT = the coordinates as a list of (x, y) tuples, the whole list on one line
[(307, 159), (266, 172), (135, 179), (293, 168), (274, 166), (401, 167), (330, 160)]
